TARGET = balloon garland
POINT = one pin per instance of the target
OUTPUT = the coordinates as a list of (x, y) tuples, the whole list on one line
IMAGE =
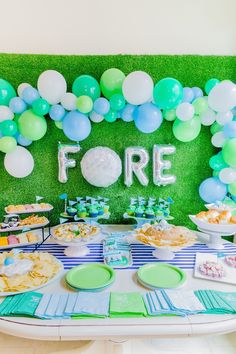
[(131, 98)]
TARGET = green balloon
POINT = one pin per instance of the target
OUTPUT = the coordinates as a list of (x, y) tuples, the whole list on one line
[(232, 188), (40, 107), (200, 105), (32, 126), (117, 102), (217, 162), (8, 127), (7, 144), (111, 82), (210, 84), (229, 152), (111, 116), (86, 85), (169, 115), (168, 93), (84, 104), (59, 124), (215, 128), (16, 118), (7, 92), (187, 131), (215, 173)]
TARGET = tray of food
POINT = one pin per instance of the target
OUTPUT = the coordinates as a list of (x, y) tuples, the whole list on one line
[(28, 208), (19, 240), (13, 222), (75, 233), (21, 272)]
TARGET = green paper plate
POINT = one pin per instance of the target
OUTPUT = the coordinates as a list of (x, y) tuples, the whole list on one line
[(89, 290), (161, 275), (90, 276)]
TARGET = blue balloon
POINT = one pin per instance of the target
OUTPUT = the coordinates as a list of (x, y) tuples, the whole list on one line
[(30, 94), (147, 117), (212, 190), (230, 129), (197, 92), (188, 95), (57, 112), (17, 105), (22, 140), (101, 106), (76, 126), (127, 112)]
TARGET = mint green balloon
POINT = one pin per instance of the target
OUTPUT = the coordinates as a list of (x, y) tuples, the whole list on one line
[(200, 105), (32, 126), (111, 116), (7, 92), (229, 152), (215, 173), (59, 124), (40, 107), (84, 104), (210, 84), (232, 188), (168, 93), (86, 85), (217, 163), (111, 82), (187, 131), (7, 144), (215, 128), (117, 102), (169, 115)]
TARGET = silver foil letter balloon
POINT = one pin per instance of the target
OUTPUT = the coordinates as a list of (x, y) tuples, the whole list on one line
[(159, 165), (136, 168), (64, 162)]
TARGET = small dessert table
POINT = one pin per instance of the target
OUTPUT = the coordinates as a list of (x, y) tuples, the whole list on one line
[(121, 329)]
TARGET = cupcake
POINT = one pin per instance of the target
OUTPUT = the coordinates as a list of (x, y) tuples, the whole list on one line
[(131, 210), (93, 212), (71, 211), (149, 213), (100, 210), (139, 212)]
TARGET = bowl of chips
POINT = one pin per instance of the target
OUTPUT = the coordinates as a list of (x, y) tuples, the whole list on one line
[(166, 238), (21, 272)]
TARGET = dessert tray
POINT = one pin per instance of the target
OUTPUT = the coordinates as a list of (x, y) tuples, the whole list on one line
[(31, 222), (22, 272), (20, 240), (166, 238), (215, 223), (28, 208), (76, 235)]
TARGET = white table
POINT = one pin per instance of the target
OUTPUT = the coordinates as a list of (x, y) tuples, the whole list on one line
[(120, 329)]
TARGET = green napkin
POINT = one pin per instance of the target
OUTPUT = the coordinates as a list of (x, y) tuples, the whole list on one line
[(217, 302), (82, 317), (20, 305), (127, 305)]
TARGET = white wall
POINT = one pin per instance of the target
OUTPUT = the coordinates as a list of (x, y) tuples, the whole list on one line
[(118, 26)]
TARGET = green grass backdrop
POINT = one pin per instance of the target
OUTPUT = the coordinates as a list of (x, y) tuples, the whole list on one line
[(190, 163)]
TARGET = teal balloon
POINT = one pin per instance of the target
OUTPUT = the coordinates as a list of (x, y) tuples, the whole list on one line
[(86, 85), (8, 128), (117, 102), (168, 93), (217, 162), (111, 116), (210, 84), (7, 92), (215, 128)]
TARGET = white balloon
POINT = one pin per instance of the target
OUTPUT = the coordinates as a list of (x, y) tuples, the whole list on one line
[(95, 117), (5, 113), (223, 118), (101, 166), (208, 117), (222, 97), (138, 87), (218, 139), (68, 101), (19, 163), (51, 86), (21, 88), (227, 175), (185, 111)]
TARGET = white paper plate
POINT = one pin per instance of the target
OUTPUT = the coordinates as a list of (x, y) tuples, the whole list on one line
[(37, 287), (223, 229), (19, 228), (32, 211)]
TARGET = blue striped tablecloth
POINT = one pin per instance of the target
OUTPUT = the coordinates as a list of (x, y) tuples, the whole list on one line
[(141, 254)]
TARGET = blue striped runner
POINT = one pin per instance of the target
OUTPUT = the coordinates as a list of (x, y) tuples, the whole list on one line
[(141, 254)]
